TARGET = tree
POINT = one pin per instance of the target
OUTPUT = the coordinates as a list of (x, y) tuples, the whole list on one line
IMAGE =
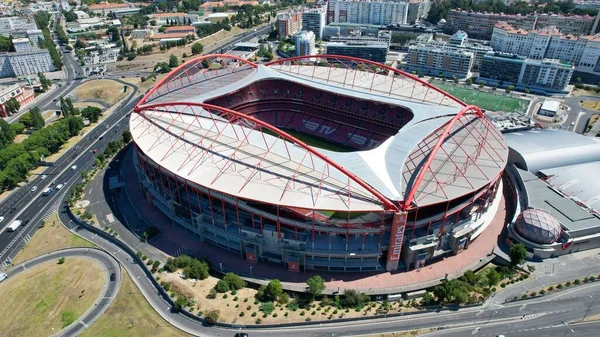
[(212, 317), (173, 61), (272, 291), (526, 90), (509, 89), (493, 277), (470, 277), (79, 44), (25, 119), (12, 106), (353, 299), (37, 121), (316, 285), (517, 254), (494, 87), (481, 84), (222, 286), (91, 113), (469, 81), (454, 79), (197, 48), (234, 281), (127, 137), (427, 299), (179, 304), (44, 81), (7, 133), (162, 29)]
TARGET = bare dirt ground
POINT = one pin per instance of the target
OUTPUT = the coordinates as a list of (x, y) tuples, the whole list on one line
[(108, 91)]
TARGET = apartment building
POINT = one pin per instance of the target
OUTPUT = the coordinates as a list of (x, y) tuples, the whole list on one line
[(25, 63), (374, 50), (539, 75), (288, 24), (481, 25), (305, 43), (22, 94), (22, 45), (437, 59), (101, 54), (549, 43), (313, 20), (34, 36), (10, 24), (105, 8), (417, 9), (367, 12)]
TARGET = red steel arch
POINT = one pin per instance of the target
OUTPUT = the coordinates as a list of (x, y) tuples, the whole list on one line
[(234, 115), (187, 64), (448, 127), (379, 65)]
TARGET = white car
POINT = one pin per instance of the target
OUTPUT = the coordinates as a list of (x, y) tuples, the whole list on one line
[(74, 167), (1, 218), (3, 277), (43, 177), (59, 186), (34, 188)]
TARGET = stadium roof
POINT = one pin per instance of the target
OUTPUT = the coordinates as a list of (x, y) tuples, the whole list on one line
[(447, 149), (540, 149), (577, 181)]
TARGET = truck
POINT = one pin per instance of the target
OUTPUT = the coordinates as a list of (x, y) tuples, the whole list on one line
[(14, 225)]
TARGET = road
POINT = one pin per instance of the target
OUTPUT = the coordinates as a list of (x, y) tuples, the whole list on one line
[(110, 289)]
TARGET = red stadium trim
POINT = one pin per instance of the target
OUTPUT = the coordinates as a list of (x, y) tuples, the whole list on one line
[(448, 127), (388, 205), (186, 64), (380, 65)]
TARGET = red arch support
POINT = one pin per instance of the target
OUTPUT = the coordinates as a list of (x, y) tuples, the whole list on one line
[(410, 197), (379, 65), (187, 64), (388, 205)]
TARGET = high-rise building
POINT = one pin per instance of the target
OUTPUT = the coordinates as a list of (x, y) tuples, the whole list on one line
[(417, 9), (25, 63), (313, 20), (22, 45), (289, 23), (436, 59), (305, 43), (375, 51), (368, 12), (34, 36), (481, 25), (544, 75), (548, 43)]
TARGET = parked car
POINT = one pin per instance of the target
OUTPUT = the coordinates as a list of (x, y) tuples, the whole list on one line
[(3, 277), (113, 277), (1, 218)]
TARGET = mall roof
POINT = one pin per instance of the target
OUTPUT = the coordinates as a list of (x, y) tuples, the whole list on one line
[(540, 149)]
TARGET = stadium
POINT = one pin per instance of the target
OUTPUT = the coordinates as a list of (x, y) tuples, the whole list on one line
[(326, 163)]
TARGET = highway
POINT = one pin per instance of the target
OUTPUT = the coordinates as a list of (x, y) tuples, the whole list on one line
[(104, 299)]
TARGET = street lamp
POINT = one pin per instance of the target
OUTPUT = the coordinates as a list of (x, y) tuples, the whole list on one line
[(221, 266), (588, 309), (250, 270)]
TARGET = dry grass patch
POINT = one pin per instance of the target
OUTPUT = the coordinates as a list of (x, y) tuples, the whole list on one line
[(83, 105), (246, 297), (593, 105), (20, 138), (53, 236), (583, 92), (130, 315), (143, 86), (107, 90), (49, 296)]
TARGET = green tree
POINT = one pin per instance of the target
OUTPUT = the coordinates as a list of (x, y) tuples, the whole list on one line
[(173, 61), (7, 133), (316, 285), (212, 317), (44, 82), (12, 106), (222, 286), (197, 48), (470, 277), (127, 137), (517, 254), (37, 121), (6, 44), (25, 119), (272, 291), (179, 304), (526, 90), (91, 113), (234, 281), (454, 79), (481, 84), (353, 299), (493, 277), (469, 81), (509, 89), (427, 299)]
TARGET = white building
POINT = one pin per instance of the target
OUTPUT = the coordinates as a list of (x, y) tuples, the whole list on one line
[(26, 63), (367, 12), (101, 54), (81, 14), (181, 18), (34, 36), (22, 45), (141, 33), (549, 43), (305, 43), (9, 24), (435, 60), (549, 108), (313, 20)]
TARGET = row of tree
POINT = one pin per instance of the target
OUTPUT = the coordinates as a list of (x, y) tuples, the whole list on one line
[(42, 20)]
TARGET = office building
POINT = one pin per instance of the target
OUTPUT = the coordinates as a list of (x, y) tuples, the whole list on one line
[(22, 45), (288, 24), (481, 25), (313, 20), (305, 43), (180, 18), (538, 75), (435, 60), (375, 51), (549, 43), (367, 12)]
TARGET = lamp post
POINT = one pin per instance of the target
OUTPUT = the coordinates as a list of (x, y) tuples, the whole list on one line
[(588, 309), (251, 271)]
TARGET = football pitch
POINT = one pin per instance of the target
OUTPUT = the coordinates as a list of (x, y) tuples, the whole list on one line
[(489, 102)]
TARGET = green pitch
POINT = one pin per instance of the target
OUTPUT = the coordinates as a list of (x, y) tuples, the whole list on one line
[(485, 100)]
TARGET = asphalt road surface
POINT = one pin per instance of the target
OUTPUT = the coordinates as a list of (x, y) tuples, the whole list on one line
[(110, 289)]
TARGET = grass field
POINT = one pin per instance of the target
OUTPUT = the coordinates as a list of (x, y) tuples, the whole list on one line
[(594, 105), (51, 237), (130, 315), (48, 297), (313, 141), (485, 100), (108, 91)]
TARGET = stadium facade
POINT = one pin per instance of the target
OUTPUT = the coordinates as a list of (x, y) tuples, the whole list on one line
[(331, 163)]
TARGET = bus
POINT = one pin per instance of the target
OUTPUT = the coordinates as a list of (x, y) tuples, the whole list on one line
[(14, 225)]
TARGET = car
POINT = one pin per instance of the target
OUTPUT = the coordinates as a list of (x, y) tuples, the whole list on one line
[(59, 186), (1, 218), (74, 167), (25, 222), (12, 210), (94, 150), (43, 176), (3, 277), (113, 277), (572, 123), (241, 334), (33, 189)]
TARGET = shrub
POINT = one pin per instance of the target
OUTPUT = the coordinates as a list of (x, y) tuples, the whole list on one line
[(149, 262), (61, 260), (275, 314), (235, 299), (313, 313), (550, 288), (503, 285), (577, 281), (533, 293), (237, 306), (524, 296), (224, 296), (234, 281), (253, 314), (222, 286), (568, 283), (308, 319), (212, 294), (264, 315), (542, 292), (283, 299), (285, 314), (245, 300), (256, 302), (267, 308), (335, 312), (144, 257), (258, 321), (302, 313), (155, 264), (592, 278), (241, 314), (212, 317), (559, 286), (233, 292)]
